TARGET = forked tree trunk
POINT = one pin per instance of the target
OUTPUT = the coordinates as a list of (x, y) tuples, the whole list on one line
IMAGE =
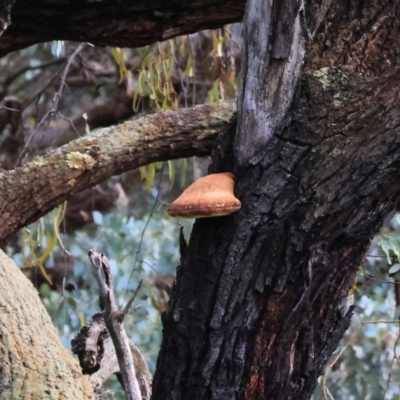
[(258, 305)]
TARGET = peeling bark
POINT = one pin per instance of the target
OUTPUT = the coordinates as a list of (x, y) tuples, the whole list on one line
[(272, 57)]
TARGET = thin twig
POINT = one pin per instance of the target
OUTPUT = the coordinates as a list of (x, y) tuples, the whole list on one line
[(70, 122), (28, 67), (40, 91), (391, 364), (232, 41), (71, 58), (10, 109), (324, 387), (380, 321), (56, 99), (144, 229), (131, 300)]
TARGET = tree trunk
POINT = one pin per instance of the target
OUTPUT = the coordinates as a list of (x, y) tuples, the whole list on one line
[(258, 305), (33, 362)]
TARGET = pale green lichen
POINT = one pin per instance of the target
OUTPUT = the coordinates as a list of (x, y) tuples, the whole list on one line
[(79, 160), (322, 75), (94, 134), (39, 161), (336, 152), (337, 102)]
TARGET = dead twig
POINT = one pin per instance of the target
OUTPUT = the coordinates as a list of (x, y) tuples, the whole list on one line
[(56, 99), (114, 319)]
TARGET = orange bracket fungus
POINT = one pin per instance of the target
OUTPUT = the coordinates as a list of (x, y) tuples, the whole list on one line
[(210, 196)]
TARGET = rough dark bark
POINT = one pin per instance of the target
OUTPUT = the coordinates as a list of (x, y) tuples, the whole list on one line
[(125, 23), (5, 14), (257, 307), (258, 304)]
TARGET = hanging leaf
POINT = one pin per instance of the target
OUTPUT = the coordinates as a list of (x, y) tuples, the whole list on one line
[(81, 318), (393, 269), (119, 55), (171, 171), (183, 173), (57, 222), (72, 303)]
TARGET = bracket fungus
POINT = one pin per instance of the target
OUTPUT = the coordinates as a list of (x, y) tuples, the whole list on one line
[(210, 196)]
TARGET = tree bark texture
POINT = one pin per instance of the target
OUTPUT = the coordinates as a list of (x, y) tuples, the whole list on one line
[(272, 59), (30, 191), (5, 14), (125, 23), (258, 305), (33, 362)]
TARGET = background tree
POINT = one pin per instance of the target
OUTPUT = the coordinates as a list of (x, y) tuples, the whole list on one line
[(258, 304)]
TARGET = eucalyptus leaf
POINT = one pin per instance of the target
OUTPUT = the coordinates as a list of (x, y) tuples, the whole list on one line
[(72, 303), (393, 269)]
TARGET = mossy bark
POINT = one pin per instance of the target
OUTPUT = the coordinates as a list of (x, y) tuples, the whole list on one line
[(32, 190)]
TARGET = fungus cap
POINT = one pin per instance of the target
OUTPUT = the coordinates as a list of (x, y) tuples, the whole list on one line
[(210, 196)]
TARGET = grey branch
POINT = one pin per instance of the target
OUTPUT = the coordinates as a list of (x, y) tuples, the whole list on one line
[(113, 319)]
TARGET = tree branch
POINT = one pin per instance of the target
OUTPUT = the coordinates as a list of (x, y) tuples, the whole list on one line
[(32, 190), (113, 319), (128, 24)]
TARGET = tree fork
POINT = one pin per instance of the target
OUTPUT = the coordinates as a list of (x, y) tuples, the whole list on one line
[(258, 304), (258, 308)]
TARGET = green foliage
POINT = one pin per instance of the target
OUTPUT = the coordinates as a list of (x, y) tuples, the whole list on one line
[(156, 70), (366, 364), (148, 172), (118, 55), (390, 243), (44, 236), (143, 248)]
